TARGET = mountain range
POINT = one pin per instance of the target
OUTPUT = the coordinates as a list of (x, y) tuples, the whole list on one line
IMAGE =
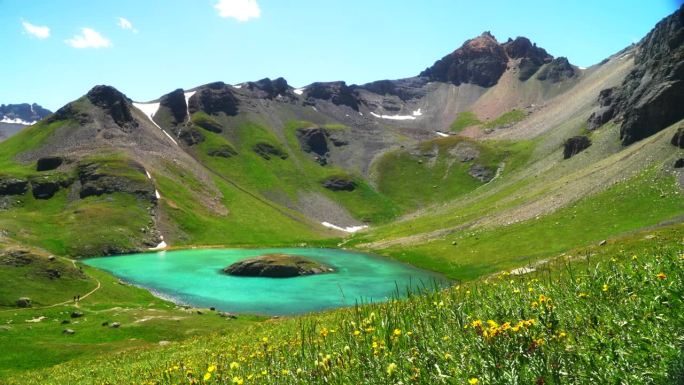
[(550, 195), (331, 158)]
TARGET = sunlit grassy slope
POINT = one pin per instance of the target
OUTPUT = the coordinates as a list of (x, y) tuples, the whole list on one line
[(609, 314)]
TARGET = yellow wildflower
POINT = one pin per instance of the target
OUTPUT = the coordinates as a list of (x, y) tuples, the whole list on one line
[(605, 287), (238, 381), (397, 332), (391, 368), (234, 365), (207, 376), (473, 381), (661, 276)]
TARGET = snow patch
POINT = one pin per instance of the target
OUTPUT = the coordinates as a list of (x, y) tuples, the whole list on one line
[(17, 121), (238, 86), (443, 135), (417, 112), (156, 194), (348, 229), (150, 109), (299, 91), (161, 246), (148, 174), (394, 117), (188, 95), (314, 108)]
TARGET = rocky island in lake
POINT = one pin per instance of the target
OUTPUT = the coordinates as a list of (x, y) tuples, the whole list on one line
[(277, 266)]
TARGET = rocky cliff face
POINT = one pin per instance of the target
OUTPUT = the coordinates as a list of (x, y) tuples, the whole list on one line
[(651, 96), (214, 98)]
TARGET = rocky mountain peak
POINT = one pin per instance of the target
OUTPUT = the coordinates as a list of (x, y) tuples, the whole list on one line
[(214, 98), (114, 103), (175, 102), (268, 88)]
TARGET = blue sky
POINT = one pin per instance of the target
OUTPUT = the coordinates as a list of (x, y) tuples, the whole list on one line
[(55, 51)]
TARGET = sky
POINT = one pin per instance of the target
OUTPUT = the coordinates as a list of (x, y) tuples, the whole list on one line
[(55, 51)]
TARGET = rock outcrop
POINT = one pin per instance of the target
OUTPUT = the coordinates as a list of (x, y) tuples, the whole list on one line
[(557, 70), (314, 141), (175, 102), (340, 183), (13, 186), (337, 93), (191, 136), (276, 266), (214, 98), (96, 180), (481, 173), (268, 151), (650, 97), (479, 61), (269, 89), (223, 151), (531, 57), (46, 186), (575, 145)]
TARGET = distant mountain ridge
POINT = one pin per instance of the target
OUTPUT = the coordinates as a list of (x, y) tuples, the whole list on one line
[(24, 113), (14, 117)]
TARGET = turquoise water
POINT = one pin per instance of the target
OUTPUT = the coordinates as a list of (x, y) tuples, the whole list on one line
[(194, 277)]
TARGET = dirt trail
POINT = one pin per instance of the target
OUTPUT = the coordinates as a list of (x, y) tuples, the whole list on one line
[(67, 302)]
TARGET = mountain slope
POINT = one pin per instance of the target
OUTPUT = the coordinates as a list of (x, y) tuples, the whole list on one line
[(14, 117)]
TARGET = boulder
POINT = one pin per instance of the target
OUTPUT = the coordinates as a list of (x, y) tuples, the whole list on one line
[(267, 151), (24, 302), (678, 138), (76, 314), (13, 186), (68, 331), (575, 145), (49, 163), (679, 163), (276, 266), (339, 183), (481, 173), (115, 325)]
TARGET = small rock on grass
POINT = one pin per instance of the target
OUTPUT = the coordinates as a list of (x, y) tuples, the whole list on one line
[(69, 331)]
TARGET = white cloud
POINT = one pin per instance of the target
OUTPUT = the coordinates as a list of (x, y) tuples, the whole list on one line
[(89, 38), (241, 10), (41, 32), (124, 23)]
